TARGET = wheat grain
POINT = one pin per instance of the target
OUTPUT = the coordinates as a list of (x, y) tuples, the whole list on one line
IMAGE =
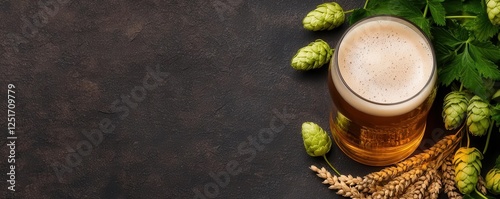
[(481, 185), (448, 179)]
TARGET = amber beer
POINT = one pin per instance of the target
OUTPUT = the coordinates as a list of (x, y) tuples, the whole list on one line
[(383, 82)]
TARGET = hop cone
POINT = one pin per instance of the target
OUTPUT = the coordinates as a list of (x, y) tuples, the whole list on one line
[(312, 56), (493, 180), (326, 16), (454, 109), (478, 116), (493, 10), (467, 162), (316, 140)]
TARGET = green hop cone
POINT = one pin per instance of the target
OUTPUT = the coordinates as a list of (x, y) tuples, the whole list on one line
[(493, 10), (493, 180), (312, 56), (467, 162), (454, 109), (316, 140), (326, 16), (478, 116)]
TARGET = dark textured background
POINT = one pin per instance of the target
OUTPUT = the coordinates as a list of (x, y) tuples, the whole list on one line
[(228, 80)]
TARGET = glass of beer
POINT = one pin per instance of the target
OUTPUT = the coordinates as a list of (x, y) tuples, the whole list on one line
[(382, 80)]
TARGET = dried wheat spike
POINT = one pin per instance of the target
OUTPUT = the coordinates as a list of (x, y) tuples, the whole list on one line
[(434, 187), (420, 189), (335, 183), (448, 179), (349, 180), (372, 179), (412, 192), (399, 184), (481, 185)]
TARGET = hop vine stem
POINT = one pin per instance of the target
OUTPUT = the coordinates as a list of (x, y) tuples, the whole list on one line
[(480, 194), (488, 137), (349, 11), (366, 3), (426, 9), (468, 138), (328, 162), (460, 17)]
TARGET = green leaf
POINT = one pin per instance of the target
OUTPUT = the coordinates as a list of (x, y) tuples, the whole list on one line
[(495, 115), (487, 69), (437, 11), (444, 53), (471, 78), (471, 67), (487, 49), (357, 15), (422, 23), (448, 74), (374, 7), (377, 7), (417, 3), (473, 6), (407, 10), (496, 95), (413, 13), (483, 55), (453, 7), (481, 26), (447, 38)]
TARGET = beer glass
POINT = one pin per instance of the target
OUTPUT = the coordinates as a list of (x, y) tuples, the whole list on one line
[(382, 81)]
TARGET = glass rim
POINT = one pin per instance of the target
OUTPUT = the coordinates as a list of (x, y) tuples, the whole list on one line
[(405, 22)]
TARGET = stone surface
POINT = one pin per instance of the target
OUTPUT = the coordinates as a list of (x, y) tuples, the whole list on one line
[(193, 96)]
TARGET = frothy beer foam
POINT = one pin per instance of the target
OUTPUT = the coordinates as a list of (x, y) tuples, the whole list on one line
[(386, 62)]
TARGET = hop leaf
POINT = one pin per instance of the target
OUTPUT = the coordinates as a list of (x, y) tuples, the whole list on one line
[(493, 10), (312, 56), (454, 109), (478, 116), (316, 140), (326, 16), (467, 162), (493, 181)]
